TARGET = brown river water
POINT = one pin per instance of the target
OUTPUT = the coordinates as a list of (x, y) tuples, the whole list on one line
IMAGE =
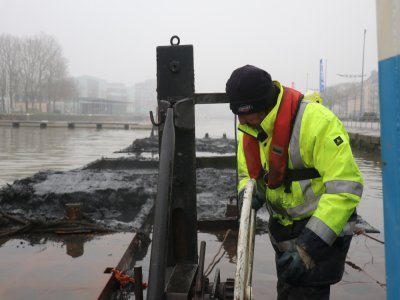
[(72, 268)]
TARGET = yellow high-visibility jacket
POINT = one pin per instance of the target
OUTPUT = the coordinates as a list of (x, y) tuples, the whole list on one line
[(319, 140)]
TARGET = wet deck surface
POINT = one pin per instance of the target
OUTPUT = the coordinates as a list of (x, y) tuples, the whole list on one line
[(46, 271)]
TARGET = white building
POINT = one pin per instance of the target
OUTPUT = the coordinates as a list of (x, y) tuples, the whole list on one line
[(117, 92), (97, 96), (145, 97), (91, 87)]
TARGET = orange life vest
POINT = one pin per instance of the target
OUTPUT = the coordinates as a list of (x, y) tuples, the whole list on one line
[(278, 155)]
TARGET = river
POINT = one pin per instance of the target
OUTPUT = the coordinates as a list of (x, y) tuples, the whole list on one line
[(26, 150)]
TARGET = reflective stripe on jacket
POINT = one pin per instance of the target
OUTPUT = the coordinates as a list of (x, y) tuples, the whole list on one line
[(320, 141)]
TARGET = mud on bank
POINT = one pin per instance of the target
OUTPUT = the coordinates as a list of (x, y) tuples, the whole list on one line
[(112, 199)]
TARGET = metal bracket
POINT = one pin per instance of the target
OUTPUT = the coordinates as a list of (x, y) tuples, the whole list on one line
[(184, 114)]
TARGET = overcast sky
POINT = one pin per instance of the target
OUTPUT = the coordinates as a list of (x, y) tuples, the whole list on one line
[(116, 40)]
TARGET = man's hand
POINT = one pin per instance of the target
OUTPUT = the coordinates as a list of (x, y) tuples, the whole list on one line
[(257, 201), (293, 265)]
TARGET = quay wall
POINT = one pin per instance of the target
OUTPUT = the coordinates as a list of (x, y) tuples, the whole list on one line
[(53, 117), (368, 140)]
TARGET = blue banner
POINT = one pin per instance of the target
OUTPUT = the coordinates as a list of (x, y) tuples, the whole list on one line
[(321, 77)]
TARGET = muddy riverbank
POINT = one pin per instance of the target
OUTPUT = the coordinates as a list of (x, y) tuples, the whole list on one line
[(120, 200)]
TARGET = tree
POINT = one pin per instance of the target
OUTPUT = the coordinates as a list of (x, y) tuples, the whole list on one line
[(42, 64), (3, 79), (10, 53), (62, 89)]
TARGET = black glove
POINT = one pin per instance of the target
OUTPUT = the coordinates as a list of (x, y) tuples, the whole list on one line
[(257, 201), (292, 265)]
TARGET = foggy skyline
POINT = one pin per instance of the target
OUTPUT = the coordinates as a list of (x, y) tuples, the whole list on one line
[(117, 40)]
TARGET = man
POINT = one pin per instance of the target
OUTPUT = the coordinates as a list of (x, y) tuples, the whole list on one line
[(299, 153)]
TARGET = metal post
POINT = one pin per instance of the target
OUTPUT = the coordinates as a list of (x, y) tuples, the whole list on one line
[(388, 21), (326, 70), (175, 81), (362, 80), (307, 82)]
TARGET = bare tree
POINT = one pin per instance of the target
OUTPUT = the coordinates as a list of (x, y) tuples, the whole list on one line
[(56, 74), (3, 79), (10, 52), (27, 70), (52, 67), (64, 89), (42, 64)]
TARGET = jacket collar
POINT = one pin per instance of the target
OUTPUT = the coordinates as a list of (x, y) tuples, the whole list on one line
[(268, 123)]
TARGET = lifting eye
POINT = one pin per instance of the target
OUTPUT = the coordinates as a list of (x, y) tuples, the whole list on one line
[(173, 38)]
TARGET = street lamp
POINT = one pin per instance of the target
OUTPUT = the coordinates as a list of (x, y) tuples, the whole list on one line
[(357, 76), (362, 78)]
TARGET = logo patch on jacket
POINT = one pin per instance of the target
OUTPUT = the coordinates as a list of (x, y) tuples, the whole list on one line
[(338, 140)]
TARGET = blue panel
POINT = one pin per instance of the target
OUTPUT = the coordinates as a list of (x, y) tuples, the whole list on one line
[(389, 92)]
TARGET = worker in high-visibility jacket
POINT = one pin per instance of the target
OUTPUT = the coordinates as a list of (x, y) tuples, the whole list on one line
[(299, 153)]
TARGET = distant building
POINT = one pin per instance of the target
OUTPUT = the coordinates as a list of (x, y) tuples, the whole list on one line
[(117, 92), (345, 99), (97, 96), (91, 87), (145, 97), (371, 95)]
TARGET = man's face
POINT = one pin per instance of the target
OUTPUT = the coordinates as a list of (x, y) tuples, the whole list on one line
[(253, 120)]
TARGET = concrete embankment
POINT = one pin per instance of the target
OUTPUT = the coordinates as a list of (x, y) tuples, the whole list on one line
[(365, 138), (43, 120), (76, 124)]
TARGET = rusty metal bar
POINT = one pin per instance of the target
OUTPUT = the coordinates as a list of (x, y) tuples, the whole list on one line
[(210, 98), (136, 250), (138, 283), (199, 280)]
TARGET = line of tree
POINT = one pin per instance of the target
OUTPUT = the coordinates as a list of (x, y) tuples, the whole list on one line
[(33, 70)]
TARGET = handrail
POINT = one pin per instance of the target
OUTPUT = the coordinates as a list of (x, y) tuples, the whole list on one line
[(245, 249), (158, 259)]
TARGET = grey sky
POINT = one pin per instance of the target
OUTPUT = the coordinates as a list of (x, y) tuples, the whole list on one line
[(116, 40)]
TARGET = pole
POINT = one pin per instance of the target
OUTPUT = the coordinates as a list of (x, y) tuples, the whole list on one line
[(388, 23), (307, 83), (362, 79), (326, 70)]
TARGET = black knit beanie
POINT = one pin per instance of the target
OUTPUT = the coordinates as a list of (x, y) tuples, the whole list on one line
[(250, 90)]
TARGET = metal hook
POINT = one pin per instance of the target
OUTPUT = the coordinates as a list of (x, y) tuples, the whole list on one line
[(152, 120)]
